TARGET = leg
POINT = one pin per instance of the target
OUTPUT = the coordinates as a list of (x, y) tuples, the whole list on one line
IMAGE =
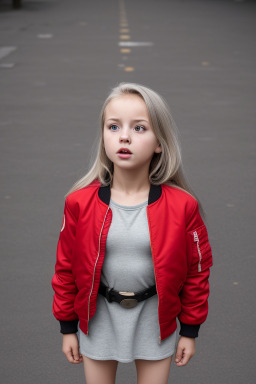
[(99, 371), (153, 371)]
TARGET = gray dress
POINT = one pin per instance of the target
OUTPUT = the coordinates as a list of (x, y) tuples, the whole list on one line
[(117, 333)]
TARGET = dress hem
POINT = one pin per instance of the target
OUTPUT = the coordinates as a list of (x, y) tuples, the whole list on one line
[(127, 360)]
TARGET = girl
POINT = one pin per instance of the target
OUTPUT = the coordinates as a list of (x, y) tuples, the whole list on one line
[(133, 253)]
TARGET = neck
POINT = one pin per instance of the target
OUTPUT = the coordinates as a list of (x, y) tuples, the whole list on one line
[(129, 181)]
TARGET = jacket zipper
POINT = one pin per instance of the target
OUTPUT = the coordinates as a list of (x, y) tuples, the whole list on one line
[(196, 240), (95, 270), (159, 338)]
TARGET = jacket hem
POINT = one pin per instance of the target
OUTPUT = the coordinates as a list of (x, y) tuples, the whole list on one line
[(167, 329), (83, 325)]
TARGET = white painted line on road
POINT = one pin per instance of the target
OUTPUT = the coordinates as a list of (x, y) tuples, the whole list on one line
[(135, 44), (45, 36), (5, 51), (7, 65)]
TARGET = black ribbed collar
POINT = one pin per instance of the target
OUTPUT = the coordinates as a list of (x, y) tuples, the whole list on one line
[(154, 193)]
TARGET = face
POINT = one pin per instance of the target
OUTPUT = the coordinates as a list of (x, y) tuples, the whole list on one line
[(127, 125)]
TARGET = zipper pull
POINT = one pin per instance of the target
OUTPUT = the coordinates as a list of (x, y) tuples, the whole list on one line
[(159, 339), (196, 240)]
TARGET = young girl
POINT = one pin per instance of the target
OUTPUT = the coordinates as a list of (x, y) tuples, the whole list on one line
[(133, 253)]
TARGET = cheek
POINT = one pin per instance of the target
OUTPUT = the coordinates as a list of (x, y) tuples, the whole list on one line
[(105, 139), (149, 144), (107, 144)]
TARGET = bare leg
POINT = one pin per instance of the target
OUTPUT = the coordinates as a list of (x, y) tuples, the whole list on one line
[(100, 371), (153, 371)]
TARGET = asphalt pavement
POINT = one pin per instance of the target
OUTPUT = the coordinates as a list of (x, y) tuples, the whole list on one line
[(58, 62)]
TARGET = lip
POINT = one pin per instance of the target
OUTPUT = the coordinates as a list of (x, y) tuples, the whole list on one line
[(125, 149), (124, 155)]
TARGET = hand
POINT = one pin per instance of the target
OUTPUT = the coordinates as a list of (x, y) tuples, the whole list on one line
[(185, 350), (70, 348)]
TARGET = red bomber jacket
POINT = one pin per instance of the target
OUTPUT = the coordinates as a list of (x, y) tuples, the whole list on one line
[(180, 250)]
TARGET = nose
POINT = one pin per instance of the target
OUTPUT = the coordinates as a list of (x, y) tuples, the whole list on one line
[(125, 137)]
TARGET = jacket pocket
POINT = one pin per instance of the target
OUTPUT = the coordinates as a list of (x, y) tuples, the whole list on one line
[(200, 253)]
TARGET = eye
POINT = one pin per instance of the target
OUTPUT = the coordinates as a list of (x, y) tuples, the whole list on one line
[(140, 127), (114, 126)]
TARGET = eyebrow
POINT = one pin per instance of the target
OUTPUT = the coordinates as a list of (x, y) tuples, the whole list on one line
[(134, 121)]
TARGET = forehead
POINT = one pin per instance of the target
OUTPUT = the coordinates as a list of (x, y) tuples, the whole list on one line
[(127, 103)]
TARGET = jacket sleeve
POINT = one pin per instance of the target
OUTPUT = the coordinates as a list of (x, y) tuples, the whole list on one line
[(63, 281), (195, 292)]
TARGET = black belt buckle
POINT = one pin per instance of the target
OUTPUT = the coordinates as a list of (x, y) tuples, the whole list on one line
[(128, 303)]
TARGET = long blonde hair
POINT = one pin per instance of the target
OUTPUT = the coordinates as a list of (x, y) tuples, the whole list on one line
[(166, 166)]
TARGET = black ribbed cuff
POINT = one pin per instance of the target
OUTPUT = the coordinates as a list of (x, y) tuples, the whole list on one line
[(68, 326), (189, 330)]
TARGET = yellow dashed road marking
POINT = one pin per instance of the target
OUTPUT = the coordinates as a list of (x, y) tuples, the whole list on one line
[(125, 50), (205, 63), (124, 34), (124, 37), (129, 69)]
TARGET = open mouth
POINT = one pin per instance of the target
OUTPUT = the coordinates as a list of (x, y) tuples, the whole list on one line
[(124, 151)]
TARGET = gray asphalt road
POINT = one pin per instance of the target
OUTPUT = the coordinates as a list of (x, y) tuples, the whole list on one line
[(58, 61)]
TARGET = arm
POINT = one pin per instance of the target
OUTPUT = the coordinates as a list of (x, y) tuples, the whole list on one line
[(195, 291), (63, 281)]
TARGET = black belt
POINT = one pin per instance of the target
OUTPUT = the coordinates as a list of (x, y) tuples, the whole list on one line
[(121, 297)]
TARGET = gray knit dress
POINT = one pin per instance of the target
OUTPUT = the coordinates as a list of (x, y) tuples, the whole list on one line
[(117, 333)]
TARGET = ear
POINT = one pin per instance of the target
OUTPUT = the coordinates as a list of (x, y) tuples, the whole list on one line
[(158, 149)]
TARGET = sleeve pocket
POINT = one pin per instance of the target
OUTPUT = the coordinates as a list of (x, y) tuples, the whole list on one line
[(200, 253)]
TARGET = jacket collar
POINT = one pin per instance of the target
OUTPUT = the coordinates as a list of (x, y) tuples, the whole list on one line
[(154, 193)]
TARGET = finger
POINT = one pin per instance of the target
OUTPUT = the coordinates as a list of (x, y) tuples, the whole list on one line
[(76, 353), (81, 358), (179, 354), (185, 359), (69, 356)]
